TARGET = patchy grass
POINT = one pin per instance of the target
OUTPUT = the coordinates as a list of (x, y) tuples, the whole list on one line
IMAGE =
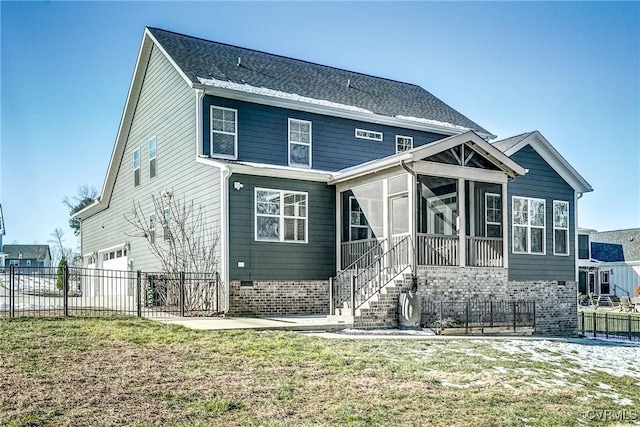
[(127, 371)]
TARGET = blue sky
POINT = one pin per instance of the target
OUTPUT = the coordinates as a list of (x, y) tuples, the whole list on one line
[(569, 70)]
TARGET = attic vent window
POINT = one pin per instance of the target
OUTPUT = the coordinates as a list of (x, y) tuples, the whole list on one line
[(368, 134)]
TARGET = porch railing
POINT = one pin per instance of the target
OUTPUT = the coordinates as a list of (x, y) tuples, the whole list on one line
[(484, 252), (437, 249), (340, 285), (360, 253), (354, 287)]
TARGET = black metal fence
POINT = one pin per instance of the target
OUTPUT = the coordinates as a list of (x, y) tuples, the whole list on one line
[(478, 314), (48, 291), (609, 325)]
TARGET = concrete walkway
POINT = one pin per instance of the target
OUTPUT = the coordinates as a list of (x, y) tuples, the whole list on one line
[(288, 323)]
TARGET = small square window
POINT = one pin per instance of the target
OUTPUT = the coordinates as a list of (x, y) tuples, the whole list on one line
[(403, 143)]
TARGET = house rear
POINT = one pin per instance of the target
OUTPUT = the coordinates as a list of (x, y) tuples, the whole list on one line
[(306, 172)]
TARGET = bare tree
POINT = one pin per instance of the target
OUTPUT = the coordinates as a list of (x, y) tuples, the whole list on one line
[(180, 237), (59, 251), (86, 196)]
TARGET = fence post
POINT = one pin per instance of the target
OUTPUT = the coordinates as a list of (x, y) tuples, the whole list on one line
[(581, 325), (491, 313), (606, 325), (594, 324), (181, 294), (12, 281), (139, 293), (65, 290), (515, 308), (466, 322), (629, 324), (331, 308), (353, 295), (534, 316), (216, 279)]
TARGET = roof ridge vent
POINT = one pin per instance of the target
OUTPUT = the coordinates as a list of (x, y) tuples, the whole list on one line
[(239, 64), (349, 83)]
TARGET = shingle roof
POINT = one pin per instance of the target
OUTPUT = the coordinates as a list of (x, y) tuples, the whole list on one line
[(27, 251), (504, 144), (203, 59)]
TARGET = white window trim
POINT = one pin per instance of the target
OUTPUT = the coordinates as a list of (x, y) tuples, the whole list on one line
[(561, 228), (28, 263), (369, 231), (528, 226), (487, 223), (139, 168), (410, 138), (604, 274), (212, 131), (299, 143), (281, 216), (379, 136), (153, 138)]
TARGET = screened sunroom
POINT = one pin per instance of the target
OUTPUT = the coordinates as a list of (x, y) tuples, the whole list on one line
[(449, 197)]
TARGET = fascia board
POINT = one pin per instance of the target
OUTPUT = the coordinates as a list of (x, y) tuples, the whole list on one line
[(367, 168), (89, 210), (263, 169), (501, 160), (127, 117), (169, 58), (368, 117), (553, 159)]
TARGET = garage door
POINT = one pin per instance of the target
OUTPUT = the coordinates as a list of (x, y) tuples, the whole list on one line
[(115, 260), (115, 278)]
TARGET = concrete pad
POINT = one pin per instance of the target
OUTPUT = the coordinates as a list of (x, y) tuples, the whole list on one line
[(290, 323)]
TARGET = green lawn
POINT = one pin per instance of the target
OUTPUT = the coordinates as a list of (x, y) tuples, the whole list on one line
[(135, 372)]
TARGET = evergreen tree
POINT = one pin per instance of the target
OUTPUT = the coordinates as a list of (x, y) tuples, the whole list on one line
[(62, 265)]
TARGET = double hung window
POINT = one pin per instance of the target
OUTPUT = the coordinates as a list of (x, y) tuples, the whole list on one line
[(528, 225)]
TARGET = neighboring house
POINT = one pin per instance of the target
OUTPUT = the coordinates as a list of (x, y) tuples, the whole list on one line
[(306, 170), (613, 263), (34, 256), (2, 233)]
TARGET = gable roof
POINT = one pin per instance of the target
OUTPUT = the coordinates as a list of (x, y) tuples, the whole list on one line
[(504, 163), (205, 63), (191, 56), (512, 145), (27, 251)]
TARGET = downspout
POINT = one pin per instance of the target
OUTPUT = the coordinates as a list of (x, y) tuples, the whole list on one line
[(225, 173), (414, 230), (575, 238)]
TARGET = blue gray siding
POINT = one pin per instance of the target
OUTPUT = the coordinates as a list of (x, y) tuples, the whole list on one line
[(262, 136), (541, 182), (314, 260)]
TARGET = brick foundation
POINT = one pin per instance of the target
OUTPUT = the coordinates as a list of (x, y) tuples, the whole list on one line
[(556, 309), (279, 298)]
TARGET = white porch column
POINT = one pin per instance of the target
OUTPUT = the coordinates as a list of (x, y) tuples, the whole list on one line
[(462, 223), (413, 219), (505, 226), (339, 208)]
